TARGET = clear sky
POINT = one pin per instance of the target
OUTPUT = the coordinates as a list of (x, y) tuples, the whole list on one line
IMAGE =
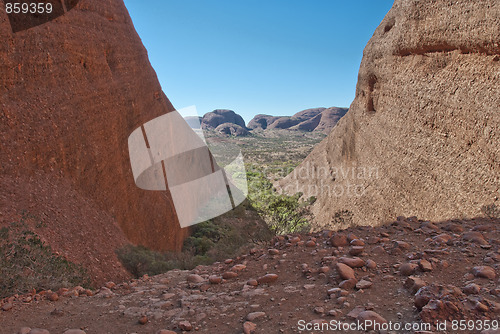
[(272, 57)]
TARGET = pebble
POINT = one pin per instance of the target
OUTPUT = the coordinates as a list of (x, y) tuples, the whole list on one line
[(401, 245), (24, 330), (238, 267), (310, 243), (319, 310), (185, 326), (194, 278), (407, 269), (481, 307), (273, 251), (252, 282), (229, 275), (324, 269), (348, 284), (143, 320), (355, 312), (255, 315), (475, 237), (442, 238), (110, 285), (371, 316), (266, 279), (249, 327), (39, 331), (215, 279), (74, 331), (364, 284), (425, 265), (7, 306), (356, 250), (165, 331), (357, 242), (472, 289), (345, 271), (370, 264), (484, 272), (53, 297), (413, 284), (373, 240), (491, 331), (339, 240), (354, 262)]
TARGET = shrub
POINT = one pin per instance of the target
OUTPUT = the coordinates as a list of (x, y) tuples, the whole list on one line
[(288, 215), (27, 263), (283, 213), (139, 260)]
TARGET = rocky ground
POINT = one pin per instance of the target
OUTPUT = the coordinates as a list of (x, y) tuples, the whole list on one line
[(407, 271)]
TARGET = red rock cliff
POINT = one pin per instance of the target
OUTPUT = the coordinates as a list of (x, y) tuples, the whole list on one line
[(71, 91)]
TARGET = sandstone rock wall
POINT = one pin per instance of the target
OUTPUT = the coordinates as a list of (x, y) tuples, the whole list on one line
[(71, 91), (422, 135)]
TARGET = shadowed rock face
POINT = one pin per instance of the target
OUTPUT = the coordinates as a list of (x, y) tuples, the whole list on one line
[(262, 121), (232, 129), (421, 137), (218, 117), (72, 90)]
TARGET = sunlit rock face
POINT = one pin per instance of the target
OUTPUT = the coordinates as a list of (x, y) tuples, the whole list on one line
[(71, 92), (422, 135)]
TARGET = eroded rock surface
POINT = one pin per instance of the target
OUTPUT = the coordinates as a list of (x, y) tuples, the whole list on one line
[(71, 92), (421, 137)]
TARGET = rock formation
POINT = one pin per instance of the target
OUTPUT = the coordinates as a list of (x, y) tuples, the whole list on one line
[(422, 135), (315, 119), (72, 90), (329, 118), (232, 129), (218, 117), (262, 121)]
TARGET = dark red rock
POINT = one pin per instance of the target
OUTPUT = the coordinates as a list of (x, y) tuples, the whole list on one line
[(266, 279), (484, 272), (475, 237), (345, 271), (339, 240), (407, 269), (73, 90), (354, 262), (348, 284)]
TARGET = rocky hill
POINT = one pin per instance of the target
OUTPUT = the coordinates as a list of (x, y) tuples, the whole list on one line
[(409, 272), (316, 119), (72, 90), (218, 117), (422, 135)]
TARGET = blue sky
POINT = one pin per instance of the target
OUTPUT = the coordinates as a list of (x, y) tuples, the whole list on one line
[(272, 57)]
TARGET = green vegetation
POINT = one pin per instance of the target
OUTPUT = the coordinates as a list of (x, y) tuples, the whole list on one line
[(283, 213), (254, 222), (27, 263), (210, 241), (139, 260)]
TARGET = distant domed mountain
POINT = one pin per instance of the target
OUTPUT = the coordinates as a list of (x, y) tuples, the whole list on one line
[(218, 117), (228, 122), (315, 119)]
